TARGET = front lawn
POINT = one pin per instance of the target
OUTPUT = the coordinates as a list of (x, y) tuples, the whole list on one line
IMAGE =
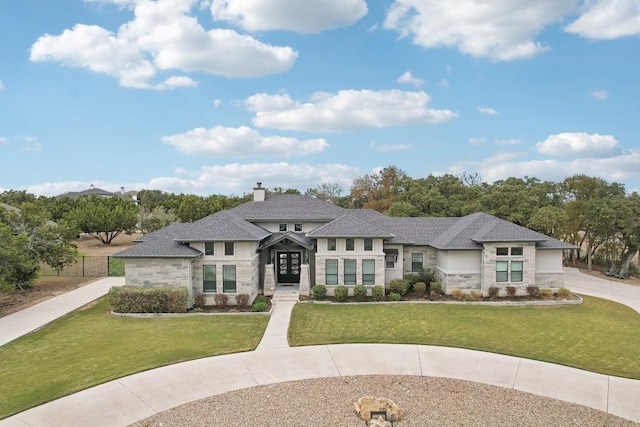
[(598, 335), (88, 347)]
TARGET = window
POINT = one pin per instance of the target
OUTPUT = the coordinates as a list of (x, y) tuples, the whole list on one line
[(331, 274), (390, 261), (228, 248), (331, 244), (368, 244), (502, 251), (228, 278), (283, 227), (297, 227), (502, 271), (368, 272), (516, 251), (350, 244), (516, 271), (208, 248), (350, 271), (416, 263), (208, 278)]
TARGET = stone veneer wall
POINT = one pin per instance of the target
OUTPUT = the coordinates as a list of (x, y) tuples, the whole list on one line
[(157, 271), (550, 280), (247, 275), (429, 256), (465, 282), (321, 269), (528, 259)]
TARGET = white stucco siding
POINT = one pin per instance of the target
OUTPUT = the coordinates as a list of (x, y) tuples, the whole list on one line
[(397, 271), (241, 250), (549, 261), (459, 261)]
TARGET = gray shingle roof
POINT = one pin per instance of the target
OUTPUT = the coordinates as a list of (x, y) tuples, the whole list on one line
[(283, 207), (162, 246), (221, 226), (349, 226)]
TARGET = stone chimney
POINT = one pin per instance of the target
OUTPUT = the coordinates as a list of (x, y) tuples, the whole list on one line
[(258, 193), (91, 186), (122, 190)]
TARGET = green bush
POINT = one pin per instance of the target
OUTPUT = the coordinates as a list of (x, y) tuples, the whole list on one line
[(319, 292), (457, 294), (398, 286), (261, 298), (546, 293), (564, 293), (260, 306), (533, 291), (242, 300), (148, 299), (411, 279), (394, 296), (221, 300), (116, 267), (511, 291), (419, 289), (377, 292), (340, 293), (359, 293), (493, 292), (435, 288)]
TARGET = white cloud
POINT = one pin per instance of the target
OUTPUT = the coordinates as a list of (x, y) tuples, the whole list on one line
[(477, 141), (4, 140), (508, 141), (295, 15), (487, 111), (242, 142), (1, 85), (579, 143), (607, 19), (408, 78), (600, 95), (33, 147), (217, 103), (502, 30), (389, 147), (444, 83), (345, 110), (162, 36)]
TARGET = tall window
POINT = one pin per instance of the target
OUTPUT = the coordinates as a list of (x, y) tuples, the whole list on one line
[(208, 278), (331, 244), (516, 271), (368, 272), (390, 261), (350, 244), (228, 248), (228, 278), (368, 244), (331, 274), (350, 271), (283, 227), (416, 263), (208, 248), (502, 271), (297, 227)]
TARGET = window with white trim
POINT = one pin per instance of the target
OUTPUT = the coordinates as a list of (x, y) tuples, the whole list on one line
[(208, 278), (331, 244), (350, 244), (350, 271), (368, 244), (331, 272), (416, 263), (208, 248), (229, 278), (368, 272)]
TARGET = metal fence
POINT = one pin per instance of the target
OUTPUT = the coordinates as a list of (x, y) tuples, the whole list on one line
[(87, 266)]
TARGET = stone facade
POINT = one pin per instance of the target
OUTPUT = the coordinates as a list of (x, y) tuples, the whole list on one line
[(159, 272), (428, 258), (550, 280), (321, 268), (246, 277), (490, 258)]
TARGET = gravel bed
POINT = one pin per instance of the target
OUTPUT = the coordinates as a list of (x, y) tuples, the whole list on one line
[(426, 402)]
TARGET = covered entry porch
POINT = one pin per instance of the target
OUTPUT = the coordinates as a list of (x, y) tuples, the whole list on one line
[(287, 259)]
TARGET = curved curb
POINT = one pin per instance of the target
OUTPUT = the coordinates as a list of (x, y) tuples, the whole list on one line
[(577, 301)]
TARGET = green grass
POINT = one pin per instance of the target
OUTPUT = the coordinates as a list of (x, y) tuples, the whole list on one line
[(89, 347), (598, 335)]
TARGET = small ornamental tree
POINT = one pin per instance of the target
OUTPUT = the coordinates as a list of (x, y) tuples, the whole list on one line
[(104, 218)]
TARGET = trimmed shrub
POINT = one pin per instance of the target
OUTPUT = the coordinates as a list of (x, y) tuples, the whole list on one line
[(435, 288), (398, 286), (411, 279), (148, 299), (340, 293), (242, 300), (221, 300), (319, 292), (261, 298), (260, 306), (546, 293), (457, 294), (474, 296), (394, 296), (377, 292), (533, 291), (493, 292), (359, 293), (511, 291), (199, 301), (564, 293), (419, 289)]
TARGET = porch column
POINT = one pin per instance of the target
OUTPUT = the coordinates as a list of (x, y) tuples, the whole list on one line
[(269, 280)]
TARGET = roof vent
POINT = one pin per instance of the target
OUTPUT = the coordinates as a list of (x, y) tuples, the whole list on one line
[(258, 193)]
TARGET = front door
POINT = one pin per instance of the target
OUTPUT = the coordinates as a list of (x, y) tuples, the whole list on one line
[(289, 267)]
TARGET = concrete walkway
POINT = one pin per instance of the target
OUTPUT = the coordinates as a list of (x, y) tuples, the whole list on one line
[(615, 291), (130, 399), (22, 322)]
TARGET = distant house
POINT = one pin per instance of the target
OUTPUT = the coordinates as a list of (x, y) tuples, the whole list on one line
[(295, 239), (13, 209), (130, 195)]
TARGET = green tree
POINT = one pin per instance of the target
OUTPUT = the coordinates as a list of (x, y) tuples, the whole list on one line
[(18, 266), (154, 220), (104, 218), (377, 190)]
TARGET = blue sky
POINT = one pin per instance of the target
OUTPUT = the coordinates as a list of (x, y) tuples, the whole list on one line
[(211, 96)]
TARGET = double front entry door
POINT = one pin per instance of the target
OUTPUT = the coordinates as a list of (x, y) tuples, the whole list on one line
[(289, 267)]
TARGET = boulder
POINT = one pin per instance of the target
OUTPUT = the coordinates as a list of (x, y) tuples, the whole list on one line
[(365, 405)]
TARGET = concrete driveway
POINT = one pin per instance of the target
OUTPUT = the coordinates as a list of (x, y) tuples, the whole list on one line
[(585, 284)]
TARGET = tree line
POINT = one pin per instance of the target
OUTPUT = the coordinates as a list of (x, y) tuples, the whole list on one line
[(597, 216)]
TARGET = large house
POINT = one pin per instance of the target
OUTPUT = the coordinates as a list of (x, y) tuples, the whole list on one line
[(278, 240)]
